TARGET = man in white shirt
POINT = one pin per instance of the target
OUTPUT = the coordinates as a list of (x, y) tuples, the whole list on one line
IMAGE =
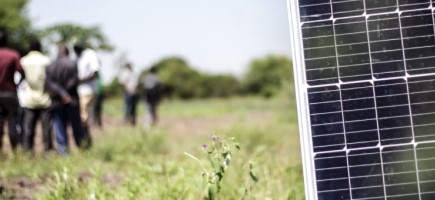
[(35, 97), (129, 81), (151, 84), (88, 66)]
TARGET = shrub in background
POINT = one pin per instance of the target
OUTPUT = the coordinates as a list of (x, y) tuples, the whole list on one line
[(180, 80), (267, 75)]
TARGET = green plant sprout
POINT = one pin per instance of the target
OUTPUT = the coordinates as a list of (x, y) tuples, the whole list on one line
[(219, 155)]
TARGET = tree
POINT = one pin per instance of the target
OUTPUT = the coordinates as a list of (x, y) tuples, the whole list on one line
[(180, 80), (267, 75), (15, 22), (113, 89), (219, 85), (67, 33)]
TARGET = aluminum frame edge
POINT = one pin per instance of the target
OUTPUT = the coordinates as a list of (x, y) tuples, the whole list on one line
[(301, 100)]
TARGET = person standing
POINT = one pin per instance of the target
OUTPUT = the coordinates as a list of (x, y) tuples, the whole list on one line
[(97, 108), (152, 86), (62, 81), (9, 64), (129, 82), (35, 98), (21, 108), (88, 66)]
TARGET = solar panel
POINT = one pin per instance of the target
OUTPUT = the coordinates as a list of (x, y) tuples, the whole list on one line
[(365, 84)]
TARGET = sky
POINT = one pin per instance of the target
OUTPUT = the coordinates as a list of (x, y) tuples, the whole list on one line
[(220, 36)]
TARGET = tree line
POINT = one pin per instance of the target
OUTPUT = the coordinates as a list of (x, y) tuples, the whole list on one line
[(18, 25), (265, 76)]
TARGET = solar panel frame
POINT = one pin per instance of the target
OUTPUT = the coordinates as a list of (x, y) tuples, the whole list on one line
[(400, 104), (301, 100)]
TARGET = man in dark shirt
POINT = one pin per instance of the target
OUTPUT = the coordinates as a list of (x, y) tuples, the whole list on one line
[(62, 81), (9, 64)]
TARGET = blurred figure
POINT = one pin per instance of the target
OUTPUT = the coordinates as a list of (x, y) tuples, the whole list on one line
[(129, 82), (9, 64), (152, 86), (62, 81), (35, 98), (98, 103), (88, 66), (21, 107)]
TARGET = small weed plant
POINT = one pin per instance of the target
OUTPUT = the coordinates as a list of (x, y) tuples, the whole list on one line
[(219, 154)]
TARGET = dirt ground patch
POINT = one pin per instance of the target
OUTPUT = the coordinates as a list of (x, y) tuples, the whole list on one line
[(208, 125), (20, 188)]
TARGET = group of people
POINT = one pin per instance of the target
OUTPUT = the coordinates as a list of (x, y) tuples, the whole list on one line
[(56, 92), (131, 84), (60, 92)]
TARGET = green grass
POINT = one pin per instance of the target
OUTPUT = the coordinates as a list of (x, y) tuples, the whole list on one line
[(133, 163)]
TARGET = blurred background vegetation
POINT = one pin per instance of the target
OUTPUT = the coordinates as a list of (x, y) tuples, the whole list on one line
[(135, 163), (265, 76)]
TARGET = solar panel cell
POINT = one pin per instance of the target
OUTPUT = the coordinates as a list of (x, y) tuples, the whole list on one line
[(400, 171), (413, 4), (365, 167), (315, 10), (347, 8), (426, 167), (332, 176), (380, 6)]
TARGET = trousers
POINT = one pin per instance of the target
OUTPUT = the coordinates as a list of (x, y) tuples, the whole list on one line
[(61, 116), (31, 116), (9, 110)]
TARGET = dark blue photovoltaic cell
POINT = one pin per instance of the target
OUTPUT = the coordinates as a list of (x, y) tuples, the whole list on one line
[(426, 165), (400, 173), (413, 4), (352, 49), (380, 6), (319, 53), (311, 10), (366, 179), (326, 118), (386, 46), (359, 115), (393, 111), (332, 176), (347, 8), (422, 96), (418, 40)]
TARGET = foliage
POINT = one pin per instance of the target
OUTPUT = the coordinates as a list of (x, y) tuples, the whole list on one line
[(113, 89), (15, 22), (180, 80), (131, 163), (68, 33), (219, 85), (219, 154), (267, 75)]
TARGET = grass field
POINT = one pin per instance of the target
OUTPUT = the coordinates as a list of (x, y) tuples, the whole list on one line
[(135, 163)]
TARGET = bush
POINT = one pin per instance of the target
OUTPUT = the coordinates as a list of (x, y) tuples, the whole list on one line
[(219, 86), (266, 76), (114, 89), (180, 80)]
